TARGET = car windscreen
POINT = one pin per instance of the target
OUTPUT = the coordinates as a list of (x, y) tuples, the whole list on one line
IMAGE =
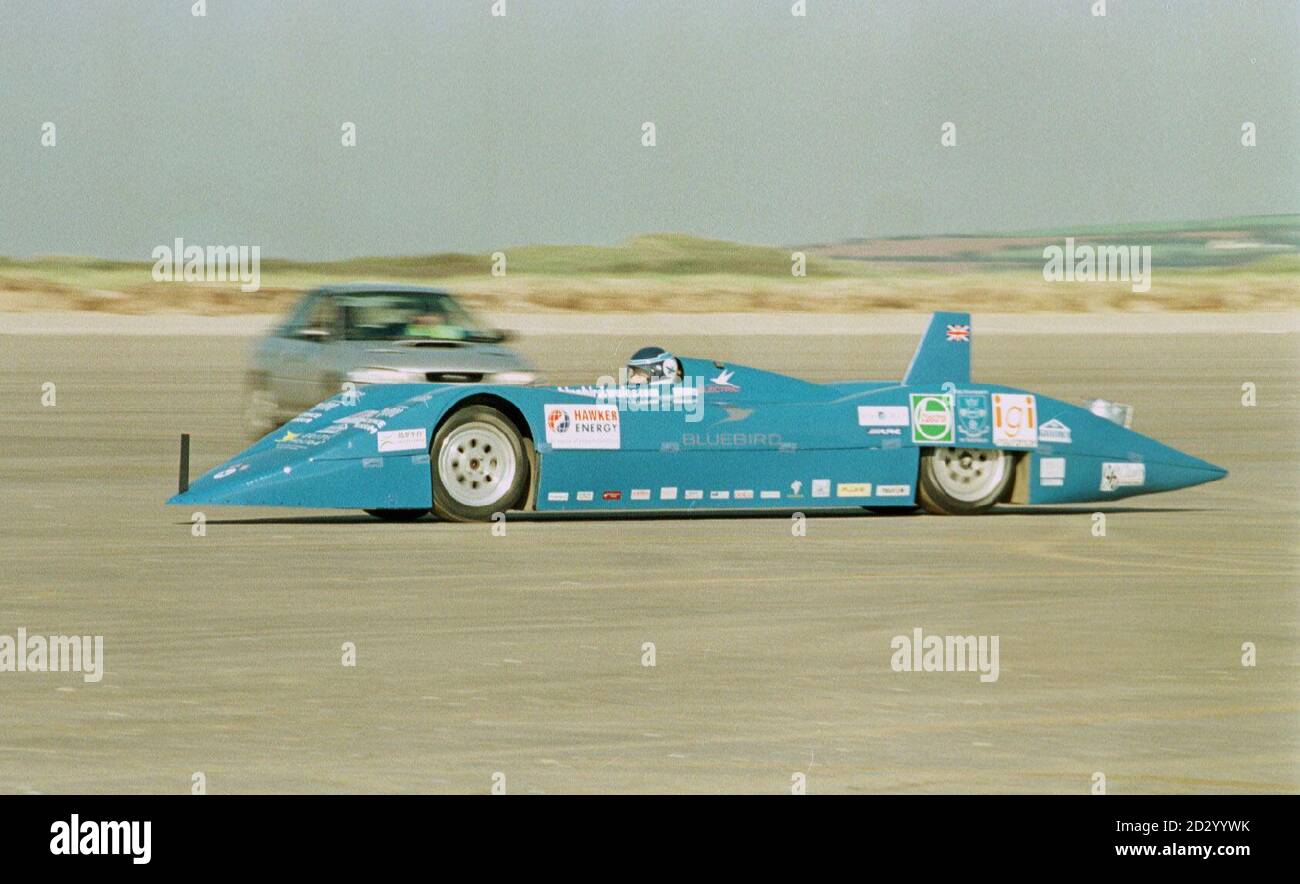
[(383, 316)]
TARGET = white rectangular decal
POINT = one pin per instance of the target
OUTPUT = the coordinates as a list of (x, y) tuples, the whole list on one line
[(585, 495), (694, 494), (402, 440), (1051, 471), (1015, 421), (668, 492), (1118, 475), (640, 493), (582, 426), (893, 490), (559, 496), (1054, 431), (882, 415), (745, 494), (821, 488)]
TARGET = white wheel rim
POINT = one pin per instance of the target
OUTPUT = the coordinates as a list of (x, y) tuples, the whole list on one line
[(968, 474), (477, 464)]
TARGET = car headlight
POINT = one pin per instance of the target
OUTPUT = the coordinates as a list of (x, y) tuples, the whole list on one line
[(514, 377), (374, 375)]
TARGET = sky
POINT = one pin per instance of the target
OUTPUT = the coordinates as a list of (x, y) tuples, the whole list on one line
[(476, 132)]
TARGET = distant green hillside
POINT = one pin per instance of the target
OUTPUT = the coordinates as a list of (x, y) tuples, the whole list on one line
[(653, 254), (1270, 240), (1228, 264)]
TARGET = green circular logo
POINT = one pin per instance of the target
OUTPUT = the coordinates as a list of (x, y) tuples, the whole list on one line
[(932, 418)]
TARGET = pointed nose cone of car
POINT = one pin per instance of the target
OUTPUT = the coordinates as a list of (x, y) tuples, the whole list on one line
[(1168, 468)]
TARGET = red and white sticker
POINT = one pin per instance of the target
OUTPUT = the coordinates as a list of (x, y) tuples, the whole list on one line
[(582, 426)]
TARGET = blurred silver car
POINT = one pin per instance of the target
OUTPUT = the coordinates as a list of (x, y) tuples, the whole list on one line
[(372, 334)]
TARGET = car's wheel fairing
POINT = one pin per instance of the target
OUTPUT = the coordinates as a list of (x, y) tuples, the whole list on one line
[(479, 465), (963, 481)]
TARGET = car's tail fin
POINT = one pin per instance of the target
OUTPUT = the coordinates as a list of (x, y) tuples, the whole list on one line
[(944, 352)]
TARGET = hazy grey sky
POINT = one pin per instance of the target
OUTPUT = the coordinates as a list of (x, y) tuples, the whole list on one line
[(477, 132)]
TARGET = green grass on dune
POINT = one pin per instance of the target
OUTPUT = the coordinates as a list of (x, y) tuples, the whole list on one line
[(1175, 247)]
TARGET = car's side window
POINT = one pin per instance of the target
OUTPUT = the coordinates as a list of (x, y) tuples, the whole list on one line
[(298, 317), (323, 318)]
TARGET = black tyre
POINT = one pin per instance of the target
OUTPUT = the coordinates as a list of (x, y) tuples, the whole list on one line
[(479, 466), (397, 515), (963, 481)]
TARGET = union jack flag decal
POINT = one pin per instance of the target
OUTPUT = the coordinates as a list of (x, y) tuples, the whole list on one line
[(959, 333)]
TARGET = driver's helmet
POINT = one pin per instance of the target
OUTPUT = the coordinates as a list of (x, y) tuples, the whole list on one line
[(653, 365)]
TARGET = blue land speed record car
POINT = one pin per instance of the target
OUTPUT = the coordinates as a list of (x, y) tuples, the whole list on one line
[(702, 436)]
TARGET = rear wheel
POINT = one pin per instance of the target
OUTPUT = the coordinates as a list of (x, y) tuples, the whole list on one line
[(479, 466), (397, 515), (963, 481)]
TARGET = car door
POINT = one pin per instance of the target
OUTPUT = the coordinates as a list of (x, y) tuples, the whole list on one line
[(306, 356)]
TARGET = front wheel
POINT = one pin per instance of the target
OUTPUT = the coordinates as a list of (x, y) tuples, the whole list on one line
[(479, 466), (963, 481)]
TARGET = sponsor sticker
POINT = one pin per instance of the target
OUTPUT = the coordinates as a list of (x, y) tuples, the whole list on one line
[(582, 426), (640, 493), (796, 488), (694, 494), (770, 495), (745, 494), (719, 495), (853, 489), (1051, 471), (559, 496), (1054, 431), (882, 415), (402, 440), (932, 420), (612, 495), (974, 418), (668, 492), (821, 487), (893, 491), (585, 495), (371, 421), (1014, 420), (1119, 475)]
